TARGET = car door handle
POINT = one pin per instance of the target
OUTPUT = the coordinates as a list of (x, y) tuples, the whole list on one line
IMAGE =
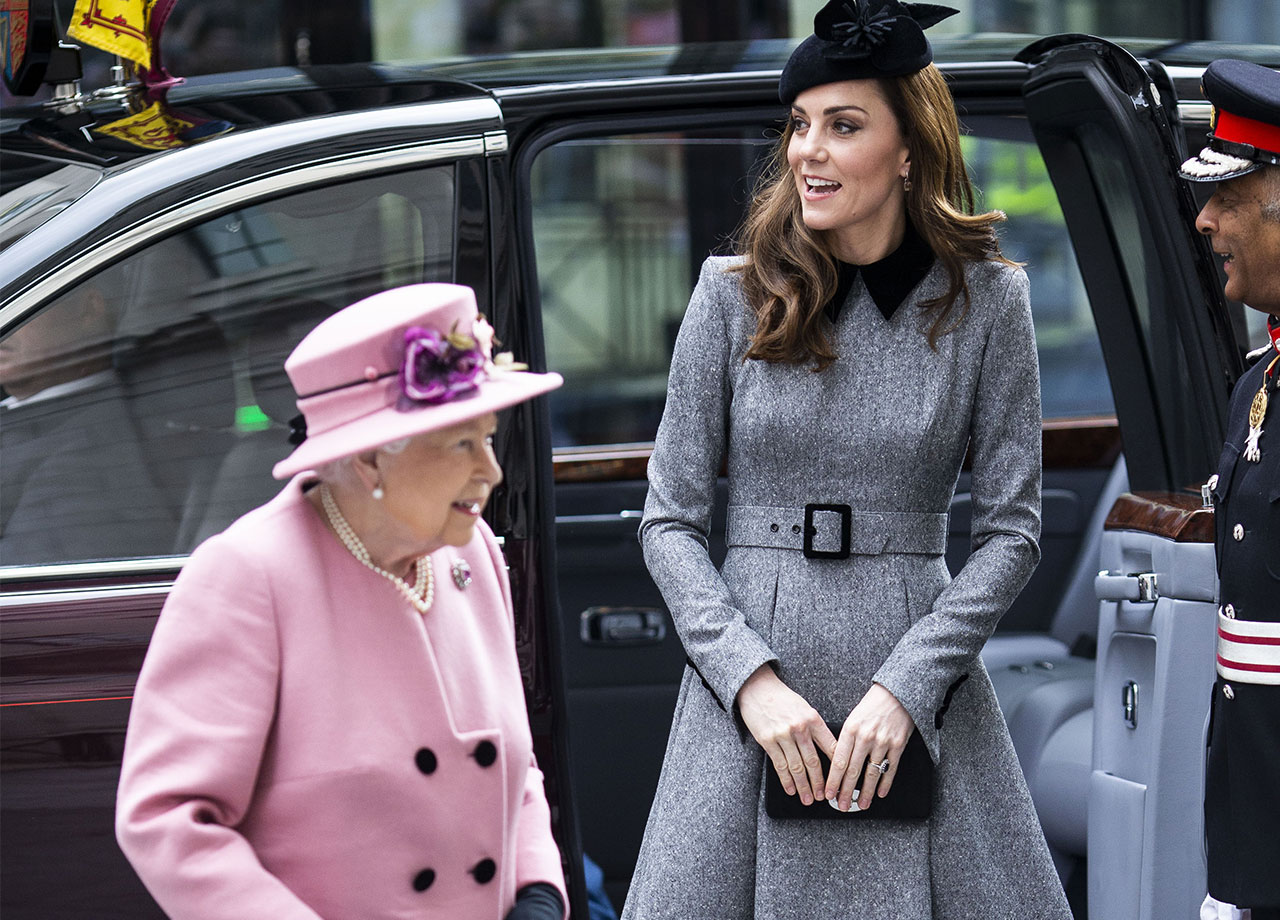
[(615, 517), (622, 626), (1142, 587)]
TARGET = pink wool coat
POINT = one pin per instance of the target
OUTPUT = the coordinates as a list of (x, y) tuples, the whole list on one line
[(304, 744)]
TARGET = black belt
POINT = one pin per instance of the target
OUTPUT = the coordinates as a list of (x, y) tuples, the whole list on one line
[(837, 531)]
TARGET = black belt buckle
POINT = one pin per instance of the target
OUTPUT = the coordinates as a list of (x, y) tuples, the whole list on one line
[(846, 520)]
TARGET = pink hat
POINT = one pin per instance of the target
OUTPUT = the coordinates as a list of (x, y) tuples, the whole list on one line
[(400, 363)]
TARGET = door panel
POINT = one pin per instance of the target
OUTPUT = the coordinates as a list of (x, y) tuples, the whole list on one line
[(69, 659)]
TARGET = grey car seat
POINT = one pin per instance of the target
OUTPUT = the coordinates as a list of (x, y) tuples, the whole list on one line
[(243, 478), (1044, 684)]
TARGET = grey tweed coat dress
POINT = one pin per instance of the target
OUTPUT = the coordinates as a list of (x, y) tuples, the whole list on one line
[(885, 430)]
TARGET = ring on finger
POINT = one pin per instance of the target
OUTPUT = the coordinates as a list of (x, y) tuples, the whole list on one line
[(882, 766)]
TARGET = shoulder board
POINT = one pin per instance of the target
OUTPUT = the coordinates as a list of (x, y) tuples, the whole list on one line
[(1253, 356)]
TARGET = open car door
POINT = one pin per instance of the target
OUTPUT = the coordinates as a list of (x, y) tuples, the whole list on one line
[(1107, 128)]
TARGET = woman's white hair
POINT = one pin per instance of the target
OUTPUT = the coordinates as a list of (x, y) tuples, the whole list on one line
[(340, 469)]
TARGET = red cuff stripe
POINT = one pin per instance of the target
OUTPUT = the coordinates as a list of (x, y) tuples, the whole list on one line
[(1248, 640), (1244, 666), (1243, 130)]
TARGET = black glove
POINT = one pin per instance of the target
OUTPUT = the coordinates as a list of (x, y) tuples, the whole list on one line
[(538, 901)]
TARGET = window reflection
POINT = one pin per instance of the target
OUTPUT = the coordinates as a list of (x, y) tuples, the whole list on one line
[(143, 409)]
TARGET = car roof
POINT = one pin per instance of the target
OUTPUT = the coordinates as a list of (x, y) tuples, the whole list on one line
[(36, 142), (346, 87)]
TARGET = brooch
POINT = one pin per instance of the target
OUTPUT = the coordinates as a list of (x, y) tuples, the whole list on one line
[(461, 573)]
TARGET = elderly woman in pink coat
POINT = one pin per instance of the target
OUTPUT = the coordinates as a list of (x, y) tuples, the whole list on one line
[(330, 722)]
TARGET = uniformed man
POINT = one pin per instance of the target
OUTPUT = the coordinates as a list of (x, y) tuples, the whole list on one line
[(1242, 784)]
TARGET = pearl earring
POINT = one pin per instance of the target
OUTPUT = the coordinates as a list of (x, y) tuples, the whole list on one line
[(378, 493)]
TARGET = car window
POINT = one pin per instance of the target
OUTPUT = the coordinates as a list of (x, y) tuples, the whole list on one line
[(1009, 175), (621, 224), (1162, 344), (144, 408), (620, 227)]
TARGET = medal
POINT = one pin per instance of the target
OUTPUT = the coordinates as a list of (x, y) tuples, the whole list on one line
[(1258, 412)]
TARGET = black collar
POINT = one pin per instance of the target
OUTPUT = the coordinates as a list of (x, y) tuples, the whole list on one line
[(888, 281)]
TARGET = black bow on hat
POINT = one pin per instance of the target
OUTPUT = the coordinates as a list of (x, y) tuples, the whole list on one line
[(856, 39)]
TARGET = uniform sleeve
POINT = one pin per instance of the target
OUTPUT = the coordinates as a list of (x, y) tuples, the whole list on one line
[(537, 856), (686, 461), (201, 713), (1004, 446)]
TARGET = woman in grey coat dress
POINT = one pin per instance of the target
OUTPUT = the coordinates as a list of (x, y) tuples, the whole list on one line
[(869, 337)]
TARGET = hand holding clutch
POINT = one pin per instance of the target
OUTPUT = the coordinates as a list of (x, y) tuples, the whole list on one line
[(790, 731), (871, 743), (910, 797)]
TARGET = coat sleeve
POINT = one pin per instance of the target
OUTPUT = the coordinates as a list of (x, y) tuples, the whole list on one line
[(1004, 446), (200, 718), (537, 856), (686, 462)]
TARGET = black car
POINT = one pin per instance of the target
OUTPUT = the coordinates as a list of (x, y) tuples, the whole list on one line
[(153, 276)]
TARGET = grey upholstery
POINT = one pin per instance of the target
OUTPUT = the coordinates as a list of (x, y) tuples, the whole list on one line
[(1155, 678), (1046, 695), (1077, 614), (243, 478), (1077, 611), (1061, 785), (1064, 692), (1015, 651), (180, 396)]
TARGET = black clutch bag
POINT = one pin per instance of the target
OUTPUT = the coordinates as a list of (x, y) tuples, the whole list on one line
[(910, 797)]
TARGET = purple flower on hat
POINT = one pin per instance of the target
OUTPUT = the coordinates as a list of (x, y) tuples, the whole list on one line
[(438, 368)]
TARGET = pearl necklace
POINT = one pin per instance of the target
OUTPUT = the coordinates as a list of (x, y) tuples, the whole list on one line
[(420, 594)]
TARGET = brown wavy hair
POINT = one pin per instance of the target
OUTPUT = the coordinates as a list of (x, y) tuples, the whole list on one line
[(790, 271)]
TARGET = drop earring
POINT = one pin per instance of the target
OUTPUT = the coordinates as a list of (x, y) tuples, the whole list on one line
[(906, 184), (378, 493)]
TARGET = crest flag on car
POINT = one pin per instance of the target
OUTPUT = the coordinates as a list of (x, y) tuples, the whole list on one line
[(129, 28), (156, 128), (161, 127)]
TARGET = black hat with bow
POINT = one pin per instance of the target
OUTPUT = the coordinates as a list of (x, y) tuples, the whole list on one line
[(857, 39)]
